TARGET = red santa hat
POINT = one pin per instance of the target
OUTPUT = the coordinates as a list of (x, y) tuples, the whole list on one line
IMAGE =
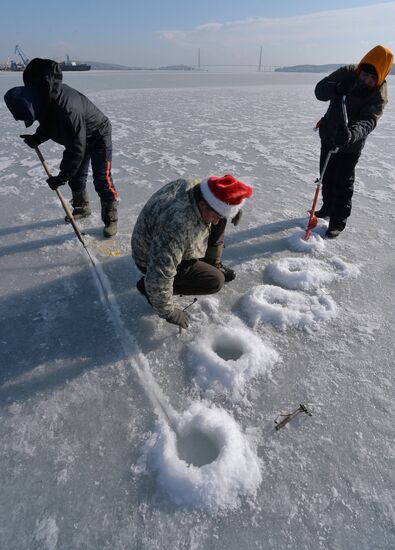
[(225, 194)]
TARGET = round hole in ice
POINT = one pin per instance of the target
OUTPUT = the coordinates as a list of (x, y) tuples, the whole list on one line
[(227, 349), (197, 448), (218, 484), (225, 358)]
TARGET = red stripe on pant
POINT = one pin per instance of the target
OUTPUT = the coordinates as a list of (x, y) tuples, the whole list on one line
[(109, 180)]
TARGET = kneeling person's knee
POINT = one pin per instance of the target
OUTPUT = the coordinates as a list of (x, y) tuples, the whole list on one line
[(217, 281)]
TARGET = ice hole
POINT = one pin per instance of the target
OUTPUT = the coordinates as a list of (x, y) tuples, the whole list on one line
[(197, 448), (227, 349), (208, 461), (225, 358)]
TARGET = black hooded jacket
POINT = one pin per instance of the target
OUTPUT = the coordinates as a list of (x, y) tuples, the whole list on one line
[(66, 116), (364, 108)]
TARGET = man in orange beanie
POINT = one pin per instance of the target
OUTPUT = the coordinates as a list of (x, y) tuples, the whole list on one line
[(365, 88), (178, 239)]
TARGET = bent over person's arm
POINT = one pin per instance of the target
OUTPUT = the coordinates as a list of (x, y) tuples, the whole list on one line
[(75, 145), (166, 253)]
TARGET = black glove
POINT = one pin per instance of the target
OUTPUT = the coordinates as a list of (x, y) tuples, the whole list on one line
[(178, 317), (55, 181), (236, 219), (30, 140), (343, 136), (346, 86)]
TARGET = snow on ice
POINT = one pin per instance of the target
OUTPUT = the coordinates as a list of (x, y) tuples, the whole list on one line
[(315, 243), (116, 431), (306, 273), (287, 308), (227, 357), (218, 464)]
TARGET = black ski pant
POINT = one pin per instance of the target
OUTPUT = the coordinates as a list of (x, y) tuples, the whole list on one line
[(99, 156), (338, 185)]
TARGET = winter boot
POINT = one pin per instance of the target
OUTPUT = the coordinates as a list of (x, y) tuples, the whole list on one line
[(229, 273), (213, 257), (332, 233), (335, 228), (80, 204), (323, 212), (109, 215)]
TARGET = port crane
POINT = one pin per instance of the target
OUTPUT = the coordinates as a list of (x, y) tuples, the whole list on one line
[(23, 57)]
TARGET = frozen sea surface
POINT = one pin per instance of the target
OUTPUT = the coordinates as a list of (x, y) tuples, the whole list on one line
[(117, 432)]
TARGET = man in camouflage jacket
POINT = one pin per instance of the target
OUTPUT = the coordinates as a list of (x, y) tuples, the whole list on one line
[(178, 239), (365, 88)]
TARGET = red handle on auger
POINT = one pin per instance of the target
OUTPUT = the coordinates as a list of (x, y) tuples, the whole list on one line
[(313, 218)]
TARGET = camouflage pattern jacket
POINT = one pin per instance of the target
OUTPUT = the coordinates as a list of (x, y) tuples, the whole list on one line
[(169, 229)]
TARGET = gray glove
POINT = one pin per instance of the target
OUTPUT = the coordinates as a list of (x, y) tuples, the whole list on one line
[(178, 317), (236, 219)]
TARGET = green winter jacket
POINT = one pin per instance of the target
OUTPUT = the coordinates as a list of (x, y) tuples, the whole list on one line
[(168, 230)]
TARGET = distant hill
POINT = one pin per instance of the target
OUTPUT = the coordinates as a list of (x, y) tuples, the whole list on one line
[(310, 68), (177, 68), (99, 66), (315, 68)]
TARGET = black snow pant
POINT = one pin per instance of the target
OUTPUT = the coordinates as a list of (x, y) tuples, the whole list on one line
[(338, 185), (99, 156)]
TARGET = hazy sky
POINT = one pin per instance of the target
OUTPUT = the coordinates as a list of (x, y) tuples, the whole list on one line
[(168, 32)]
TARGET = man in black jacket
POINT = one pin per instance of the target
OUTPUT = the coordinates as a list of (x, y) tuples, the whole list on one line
[(72, 120), (365, 89)]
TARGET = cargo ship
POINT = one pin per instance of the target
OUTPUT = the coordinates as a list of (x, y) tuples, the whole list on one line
[(69, 65)]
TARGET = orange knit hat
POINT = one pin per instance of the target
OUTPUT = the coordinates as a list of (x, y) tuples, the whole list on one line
[(381, 58)]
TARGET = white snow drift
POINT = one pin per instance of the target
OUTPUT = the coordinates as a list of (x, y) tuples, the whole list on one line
[(306, 273), (300, 273), (233, 469), (315, 243), (286, 308), (225, 358)]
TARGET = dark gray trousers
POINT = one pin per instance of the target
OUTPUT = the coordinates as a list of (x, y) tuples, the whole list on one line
[(197, 277), (200, 276)]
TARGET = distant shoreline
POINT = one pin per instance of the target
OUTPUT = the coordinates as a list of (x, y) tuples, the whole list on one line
[(330, 67)]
